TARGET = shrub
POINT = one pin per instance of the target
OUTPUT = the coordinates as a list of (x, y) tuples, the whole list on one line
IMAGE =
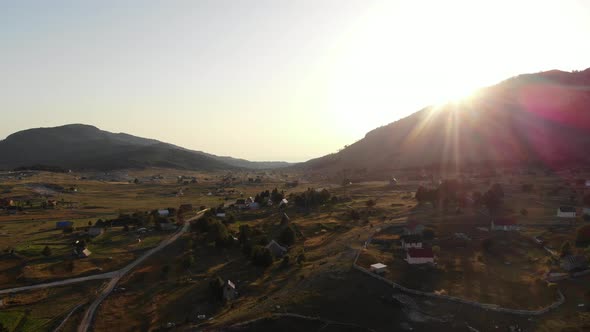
[(428, 234), (261, 256), (524, 212), (46, 251), (287, 236)]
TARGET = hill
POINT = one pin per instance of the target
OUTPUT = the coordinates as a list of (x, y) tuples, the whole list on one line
[(79, 146), (541, 118)]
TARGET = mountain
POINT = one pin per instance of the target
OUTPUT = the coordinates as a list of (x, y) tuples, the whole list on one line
[(79, 146), (541, 118)]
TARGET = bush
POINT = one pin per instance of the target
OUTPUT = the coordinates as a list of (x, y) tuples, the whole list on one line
[(287, 236), (524, 212), (46, 251), (428, 234), (261, 256)]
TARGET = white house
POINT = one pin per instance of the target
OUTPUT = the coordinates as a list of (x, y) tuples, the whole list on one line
[(420, 256), (378, 268), (220, 215), (163, 212), (504, 224), (283, 202), (566, 212), (411, 241)]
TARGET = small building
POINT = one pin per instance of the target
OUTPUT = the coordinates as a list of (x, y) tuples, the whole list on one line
[(586, 211), (163, 212), (82, 253), (411, 241), (64, 224), (249, 200), (276, 249), (167, 226), (95, 231), (504, 224), (283, 203), (420, 256), (240, 203), (378, 268), (413, 228), (574, 263), (220, 215), (254, 206), (229, 291), (566, 212)]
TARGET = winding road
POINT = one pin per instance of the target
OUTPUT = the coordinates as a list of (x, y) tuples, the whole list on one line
[(115, 276)]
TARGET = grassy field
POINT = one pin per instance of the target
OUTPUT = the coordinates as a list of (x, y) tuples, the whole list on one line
[(164, 290)]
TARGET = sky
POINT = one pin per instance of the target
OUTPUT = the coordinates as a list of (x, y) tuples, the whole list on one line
[(268, 80)]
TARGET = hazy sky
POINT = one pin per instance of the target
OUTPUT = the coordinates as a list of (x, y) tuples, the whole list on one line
[(267, 80)]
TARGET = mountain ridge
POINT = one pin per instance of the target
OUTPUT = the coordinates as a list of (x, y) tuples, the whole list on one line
[(81, 146)]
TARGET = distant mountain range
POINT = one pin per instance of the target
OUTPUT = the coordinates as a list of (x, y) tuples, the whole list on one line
[(79, 146), (541, 118)]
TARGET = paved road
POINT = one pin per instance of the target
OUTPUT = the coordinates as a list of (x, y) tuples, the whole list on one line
[(89, 314)]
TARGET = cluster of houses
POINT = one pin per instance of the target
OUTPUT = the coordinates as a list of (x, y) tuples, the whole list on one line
[(250, 204)]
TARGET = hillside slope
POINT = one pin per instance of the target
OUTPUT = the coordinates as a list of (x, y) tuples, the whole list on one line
[(80, 146), (534, 118)]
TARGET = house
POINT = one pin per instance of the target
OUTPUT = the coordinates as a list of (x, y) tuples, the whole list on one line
[(220, 215), (249, 200), (586, 211), (566, 212), (555, 276), (574, 263), (240, 203), (420, 256), (229, 291), (276, 249), (411, 241), (82, 253), (95, 231), (163, 212), (254, 206), (63, 224), (167, 226), (52, 203), (504, 224), (283, 203), (413, 228), (269, 202), (378, 268)]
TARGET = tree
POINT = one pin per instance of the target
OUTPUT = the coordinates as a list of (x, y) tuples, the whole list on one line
[(89, 222), (370, 203), (244, 235), (566, 249), (261, 256), (46, 251), (285, 262), (428, 234), (300, 258), (524, 212), (287, 236), (583, 236), (165, 270), (3, 328), (355, 215), (136, 181), (216, 288), (188, 262)]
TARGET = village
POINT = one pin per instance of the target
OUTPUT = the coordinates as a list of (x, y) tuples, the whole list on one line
[(489, 242)]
